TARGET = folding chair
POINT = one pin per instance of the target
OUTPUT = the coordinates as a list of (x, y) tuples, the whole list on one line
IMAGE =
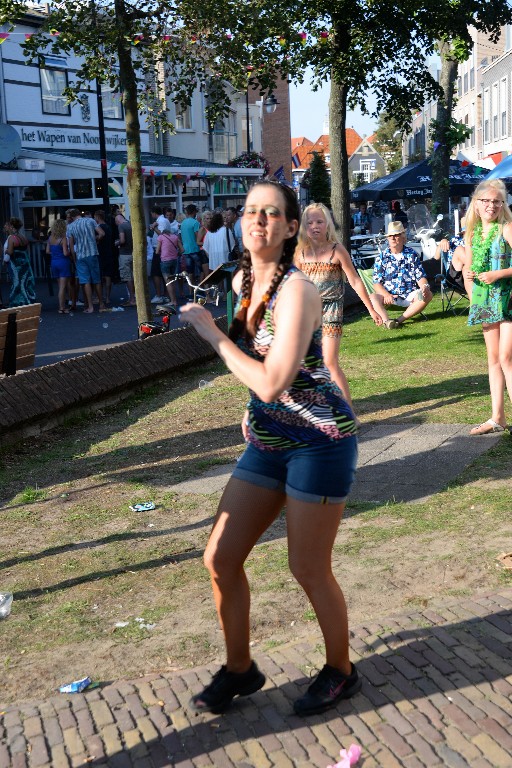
[(452, 288)]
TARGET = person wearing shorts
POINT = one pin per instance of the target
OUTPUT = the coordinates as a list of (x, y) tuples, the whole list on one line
[(301, 452), (83, 234), (125, 243), (60, 260), (189, 229), (399, 279), (169, 248)]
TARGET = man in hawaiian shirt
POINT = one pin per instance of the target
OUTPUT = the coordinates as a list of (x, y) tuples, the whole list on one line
[(399, 279)]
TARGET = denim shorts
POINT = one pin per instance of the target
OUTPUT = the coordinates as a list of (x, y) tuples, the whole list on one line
[(88, 270), (320, 474)]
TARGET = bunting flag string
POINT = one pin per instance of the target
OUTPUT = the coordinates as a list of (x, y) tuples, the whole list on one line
[(114, 166), (136, 39)]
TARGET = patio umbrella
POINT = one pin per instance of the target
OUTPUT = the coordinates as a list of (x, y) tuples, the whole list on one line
[(415, 181)]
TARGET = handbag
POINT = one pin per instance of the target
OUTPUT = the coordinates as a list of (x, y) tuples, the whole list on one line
[(233, 252)]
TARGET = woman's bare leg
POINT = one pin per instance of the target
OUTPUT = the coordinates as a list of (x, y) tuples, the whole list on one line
[(331, 355), (312, 529), (245, 512), (496, 376), (505, 354)]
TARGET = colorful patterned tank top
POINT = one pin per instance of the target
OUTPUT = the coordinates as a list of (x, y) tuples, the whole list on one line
[(311, 411), (329, 278)]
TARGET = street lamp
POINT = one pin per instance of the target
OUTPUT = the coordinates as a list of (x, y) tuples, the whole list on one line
[(270, 104)]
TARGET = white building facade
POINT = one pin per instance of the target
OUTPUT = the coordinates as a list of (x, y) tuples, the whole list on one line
[(54, 161)]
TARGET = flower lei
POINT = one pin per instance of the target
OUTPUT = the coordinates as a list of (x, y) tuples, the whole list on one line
[(481, 248)]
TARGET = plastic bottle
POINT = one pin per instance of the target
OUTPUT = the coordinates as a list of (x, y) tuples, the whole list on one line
[(205, 383), (5, 604)]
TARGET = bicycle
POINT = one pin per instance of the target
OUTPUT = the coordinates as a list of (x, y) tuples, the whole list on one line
[(201, 295)]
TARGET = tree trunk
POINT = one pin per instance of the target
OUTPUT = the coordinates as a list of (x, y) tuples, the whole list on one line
[(128, 85), (441, 154), (340, 192)]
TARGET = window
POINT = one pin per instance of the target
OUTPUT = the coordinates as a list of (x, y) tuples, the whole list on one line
[(53, 83), (183, 118), (82, 189), (244, 133), (503, 106), (466, 83), (466, 125), (112, 104), (59, 189), (472, 77), (459, 85), (494, 107), (487, 113)]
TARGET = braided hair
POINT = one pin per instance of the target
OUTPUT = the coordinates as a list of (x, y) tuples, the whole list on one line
[(240, 326)]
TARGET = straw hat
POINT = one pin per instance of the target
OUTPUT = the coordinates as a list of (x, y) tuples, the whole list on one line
[(395, 228)]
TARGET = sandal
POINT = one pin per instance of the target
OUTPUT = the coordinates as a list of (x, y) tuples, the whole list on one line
[(63, 311), (487, 428)]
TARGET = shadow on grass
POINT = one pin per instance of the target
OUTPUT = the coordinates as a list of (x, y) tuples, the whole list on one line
[(112, 539), (445, 662), (447, 392), (157, 562)]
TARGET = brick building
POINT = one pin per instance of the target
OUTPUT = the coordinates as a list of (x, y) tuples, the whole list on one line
[(277, 130)]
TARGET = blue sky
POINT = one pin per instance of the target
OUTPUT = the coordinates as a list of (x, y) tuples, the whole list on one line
[(309, 109)]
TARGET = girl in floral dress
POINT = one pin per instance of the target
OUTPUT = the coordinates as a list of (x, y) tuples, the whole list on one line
[(489, 282), (328, 264)]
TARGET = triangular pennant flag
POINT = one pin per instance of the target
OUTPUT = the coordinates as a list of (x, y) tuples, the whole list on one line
[(111, 164), (123, 166), (152, 172), (169, 176), (3, 37)]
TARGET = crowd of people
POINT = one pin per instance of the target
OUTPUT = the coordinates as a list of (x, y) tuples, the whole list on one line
[(86, 253)]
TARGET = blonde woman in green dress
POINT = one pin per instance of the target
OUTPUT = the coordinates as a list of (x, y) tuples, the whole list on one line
[(488, 278), (328, 264)]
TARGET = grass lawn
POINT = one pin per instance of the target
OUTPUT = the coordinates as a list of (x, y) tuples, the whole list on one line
[(80, 562)]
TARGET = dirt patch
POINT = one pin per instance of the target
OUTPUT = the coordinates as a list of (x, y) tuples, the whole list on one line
[(84, 567)]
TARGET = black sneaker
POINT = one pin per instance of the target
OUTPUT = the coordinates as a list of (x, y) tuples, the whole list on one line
[(225, 685), (329, 687)]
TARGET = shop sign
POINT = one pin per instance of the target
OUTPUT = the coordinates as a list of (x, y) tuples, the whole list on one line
[(55, 137)]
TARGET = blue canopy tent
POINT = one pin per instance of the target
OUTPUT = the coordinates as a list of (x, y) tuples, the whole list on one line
[(415, 181)]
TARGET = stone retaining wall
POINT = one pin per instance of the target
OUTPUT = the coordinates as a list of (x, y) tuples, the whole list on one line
[(39, 399)]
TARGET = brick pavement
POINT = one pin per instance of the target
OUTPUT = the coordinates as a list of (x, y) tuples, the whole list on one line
[(437, 692)]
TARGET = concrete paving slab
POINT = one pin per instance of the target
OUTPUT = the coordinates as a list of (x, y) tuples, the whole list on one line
[(397, 462)]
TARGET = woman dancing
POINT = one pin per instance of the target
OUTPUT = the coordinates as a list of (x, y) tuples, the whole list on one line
[(301, 452), (328, 264), (489, 283)]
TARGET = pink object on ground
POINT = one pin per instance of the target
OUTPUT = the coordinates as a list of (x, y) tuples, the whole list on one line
[(348, 756)]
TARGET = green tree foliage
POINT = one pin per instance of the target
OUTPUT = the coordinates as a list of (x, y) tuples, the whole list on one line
[(319, 181), (388, 141)]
